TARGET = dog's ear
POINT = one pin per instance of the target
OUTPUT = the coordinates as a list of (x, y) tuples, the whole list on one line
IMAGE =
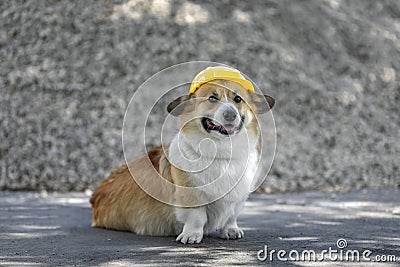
[(177, 106), (263, 103)]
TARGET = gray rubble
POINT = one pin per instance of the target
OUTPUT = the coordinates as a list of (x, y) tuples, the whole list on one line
[(69, 68)]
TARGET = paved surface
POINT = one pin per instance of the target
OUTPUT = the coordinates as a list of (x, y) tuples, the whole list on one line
[(55, 230)]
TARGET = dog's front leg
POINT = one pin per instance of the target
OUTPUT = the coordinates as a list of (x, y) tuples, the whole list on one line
[(194, 220), (231, 230)]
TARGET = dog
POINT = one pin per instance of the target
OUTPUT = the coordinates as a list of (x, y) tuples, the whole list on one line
[(218, 144)]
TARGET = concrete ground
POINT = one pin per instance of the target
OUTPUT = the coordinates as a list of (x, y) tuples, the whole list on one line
[(54, 229)]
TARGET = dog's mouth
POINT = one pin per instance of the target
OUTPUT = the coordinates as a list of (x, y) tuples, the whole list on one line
[(226, 129)]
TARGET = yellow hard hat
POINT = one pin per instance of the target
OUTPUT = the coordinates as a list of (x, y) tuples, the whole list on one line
[(222, 73)]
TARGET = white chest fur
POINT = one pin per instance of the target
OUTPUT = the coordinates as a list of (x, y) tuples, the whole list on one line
[(223, 170)]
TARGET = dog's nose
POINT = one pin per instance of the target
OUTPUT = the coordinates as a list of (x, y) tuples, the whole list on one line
[(229, 115)]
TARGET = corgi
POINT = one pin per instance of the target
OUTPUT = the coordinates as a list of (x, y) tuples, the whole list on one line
[(216, 152)]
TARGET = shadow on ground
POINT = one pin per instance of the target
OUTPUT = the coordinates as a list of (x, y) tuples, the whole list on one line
[(55, 230)]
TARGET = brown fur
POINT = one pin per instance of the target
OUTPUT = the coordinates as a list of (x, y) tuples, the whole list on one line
[(196, 104), (120, 204)]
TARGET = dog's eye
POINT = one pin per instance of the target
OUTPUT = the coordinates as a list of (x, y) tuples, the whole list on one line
[(237, 99), (212, 99)]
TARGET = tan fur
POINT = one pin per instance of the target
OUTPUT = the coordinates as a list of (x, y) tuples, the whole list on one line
[(218, 88), (120, 204)]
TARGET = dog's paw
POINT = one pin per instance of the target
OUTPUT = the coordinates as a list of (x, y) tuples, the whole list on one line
[(232, 233), (190, 237)]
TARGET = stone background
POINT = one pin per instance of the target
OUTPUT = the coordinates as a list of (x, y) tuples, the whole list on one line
[(69, 68)]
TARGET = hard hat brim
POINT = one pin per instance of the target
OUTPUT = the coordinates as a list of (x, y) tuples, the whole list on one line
[(246, 84)]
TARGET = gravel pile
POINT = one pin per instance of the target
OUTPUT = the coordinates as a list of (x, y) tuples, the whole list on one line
[(69, 68)]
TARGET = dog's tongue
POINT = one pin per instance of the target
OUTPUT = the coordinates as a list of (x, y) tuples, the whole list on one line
[(229, 127), (226, 128)]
